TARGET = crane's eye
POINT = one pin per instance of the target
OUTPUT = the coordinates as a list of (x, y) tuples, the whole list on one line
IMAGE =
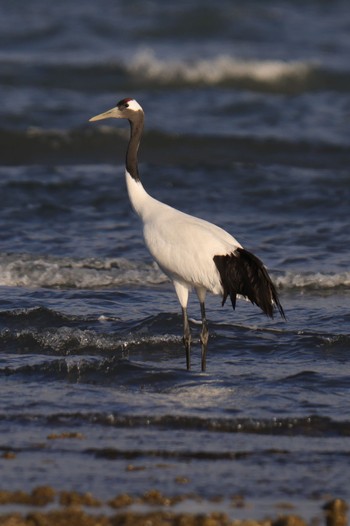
[(123, 104)]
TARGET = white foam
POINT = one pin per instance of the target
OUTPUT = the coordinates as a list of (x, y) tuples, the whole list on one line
[(317, 280), (66, 340), (26, 270), (214, 70)]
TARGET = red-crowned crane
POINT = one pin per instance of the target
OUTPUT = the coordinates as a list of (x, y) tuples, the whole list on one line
[(193, 253)]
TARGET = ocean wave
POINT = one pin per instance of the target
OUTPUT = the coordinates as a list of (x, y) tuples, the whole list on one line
[(26, 270), (268, 75), (70, 368), (312, 425), (144, 67), (222, 69), (62, 340), (313, 280), (265, 75), (54, 342), (30, 270)]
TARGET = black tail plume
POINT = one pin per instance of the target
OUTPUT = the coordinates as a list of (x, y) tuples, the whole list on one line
[(243, 273)]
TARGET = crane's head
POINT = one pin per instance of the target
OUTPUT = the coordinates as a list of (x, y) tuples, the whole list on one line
[(125, 109)]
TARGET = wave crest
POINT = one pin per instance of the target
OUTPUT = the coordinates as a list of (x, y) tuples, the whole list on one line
[(217, 70), (26, 270), (313, 281)]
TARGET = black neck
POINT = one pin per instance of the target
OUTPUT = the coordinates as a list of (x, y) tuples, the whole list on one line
[(136, 128)]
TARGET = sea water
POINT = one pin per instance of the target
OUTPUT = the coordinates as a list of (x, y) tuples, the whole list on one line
[(247, 125)]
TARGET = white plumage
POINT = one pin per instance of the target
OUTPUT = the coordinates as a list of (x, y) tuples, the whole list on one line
[(192, 252)]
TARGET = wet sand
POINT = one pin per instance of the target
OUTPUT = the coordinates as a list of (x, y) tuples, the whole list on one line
[(46, 507)]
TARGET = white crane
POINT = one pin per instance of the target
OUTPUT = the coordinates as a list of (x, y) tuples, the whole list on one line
[(193, 253)]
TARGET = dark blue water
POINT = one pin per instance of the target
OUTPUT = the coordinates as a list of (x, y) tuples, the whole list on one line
[(247, 125)]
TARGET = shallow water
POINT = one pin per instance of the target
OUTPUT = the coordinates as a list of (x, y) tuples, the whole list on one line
[(246, 126)]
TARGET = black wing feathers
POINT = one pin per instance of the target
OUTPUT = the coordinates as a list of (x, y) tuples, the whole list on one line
[(243, 273)]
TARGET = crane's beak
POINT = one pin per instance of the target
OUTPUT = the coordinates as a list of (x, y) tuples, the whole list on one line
[(106, 115)]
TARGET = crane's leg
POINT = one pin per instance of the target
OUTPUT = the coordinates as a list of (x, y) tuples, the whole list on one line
[(204, 336), (201, 293), (187, 338), (182, 292)]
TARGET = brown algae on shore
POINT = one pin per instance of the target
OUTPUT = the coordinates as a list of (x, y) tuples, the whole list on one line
[(40, 496), (73, 498), (151, 509), (336, 512), (66, 435), (76, 517)]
